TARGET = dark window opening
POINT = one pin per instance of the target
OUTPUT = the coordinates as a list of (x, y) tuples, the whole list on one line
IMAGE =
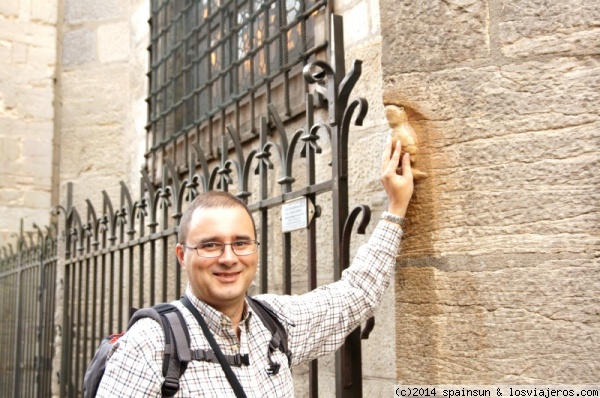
[(218, 63)]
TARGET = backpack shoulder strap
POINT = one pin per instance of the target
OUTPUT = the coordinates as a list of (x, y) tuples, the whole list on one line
[(270, 319), (177, 352)]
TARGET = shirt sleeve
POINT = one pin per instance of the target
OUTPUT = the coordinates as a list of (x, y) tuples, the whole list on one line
[(134, 365), (319, 321)]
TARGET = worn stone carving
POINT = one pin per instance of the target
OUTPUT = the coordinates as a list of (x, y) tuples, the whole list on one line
[(403, 131)]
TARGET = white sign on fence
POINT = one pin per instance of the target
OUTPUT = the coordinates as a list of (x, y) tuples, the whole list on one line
[(296, 214)]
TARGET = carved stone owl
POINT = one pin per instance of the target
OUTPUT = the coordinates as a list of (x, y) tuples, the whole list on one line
[(403, 131)]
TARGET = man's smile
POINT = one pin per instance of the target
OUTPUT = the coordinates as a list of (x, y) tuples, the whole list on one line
[(227, 276)]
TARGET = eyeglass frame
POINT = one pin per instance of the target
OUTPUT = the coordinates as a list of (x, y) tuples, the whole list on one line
[(223, 244)]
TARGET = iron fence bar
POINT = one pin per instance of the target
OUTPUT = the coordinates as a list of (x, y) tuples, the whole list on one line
[(120, 293), (77, 303), (42, 302), (40, 323), (24, 337), (33, 328), (152, 270), (111, 292), (130, 285), (49, 329), (311, 246), (18, 319), (102, 324), (165, 265), (277, 200), (11, 305), (87, 341), (263, 212), (66, 336), (95, 325), (29, 332), (141, 283)]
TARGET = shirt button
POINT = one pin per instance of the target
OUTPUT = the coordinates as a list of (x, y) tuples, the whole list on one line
[(235, 347), (224, 322)]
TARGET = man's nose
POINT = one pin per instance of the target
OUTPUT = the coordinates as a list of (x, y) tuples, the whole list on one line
[(228, 256)]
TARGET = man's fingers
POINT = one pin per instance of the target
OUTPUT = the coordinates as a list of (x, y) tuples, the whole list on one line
[(406, 169), (394, 162), (387, 153)]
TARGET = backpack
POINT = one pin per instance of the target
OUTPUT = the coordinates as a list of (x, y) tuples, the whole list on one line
[(177, 353)]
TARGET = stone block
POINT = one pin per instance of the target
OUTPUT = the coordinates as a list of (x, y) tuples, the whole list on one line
[(11, 222), (89, 98), (140, 31), (30, 33), (504, 323), (91, 10), (36, 102), (11, 197), (37, 199), (93, 151), (43, 57), (113, 42), (79, 47), (357, 23), (45, 11), (10, 150), (18, 53), (29, 129), (549, 27), (9, 8), (38, 148), (4, 52), (431, 34), (497, 97)]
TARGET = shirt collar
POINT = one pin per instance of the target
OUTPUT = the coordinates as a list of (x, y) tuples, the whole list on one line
[(215, 320)]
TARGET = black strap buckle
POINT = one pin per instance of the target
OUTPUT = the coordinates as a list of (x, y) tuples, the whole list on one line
[(170, 386), (273, 369)]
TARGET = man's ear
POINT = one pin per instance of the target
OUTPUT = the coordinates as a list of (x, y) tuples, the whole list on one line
[(180, 251)]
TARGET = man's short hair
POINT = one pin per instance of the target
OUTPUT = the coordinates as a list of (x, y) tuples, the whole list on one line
[(209, 200)]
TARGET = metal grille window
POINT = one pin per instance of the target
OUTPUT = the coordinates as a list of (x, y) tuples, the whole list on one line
[(214, 62)]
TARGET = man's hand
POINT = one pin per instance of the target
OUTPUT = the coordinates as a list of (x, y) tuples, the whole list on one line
[(397, 179)]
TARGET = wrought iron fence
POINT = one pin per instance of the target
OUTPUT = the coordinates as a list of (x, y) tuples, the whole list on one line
[(27, 305), (122, 256)]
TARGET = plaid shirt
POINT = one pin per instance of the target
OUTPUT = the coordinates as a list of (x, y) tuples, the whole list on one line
[(317, 323)]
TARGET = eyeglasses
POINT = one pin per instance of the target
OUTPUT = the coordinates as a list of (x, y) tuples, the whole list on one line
[(216, 249)]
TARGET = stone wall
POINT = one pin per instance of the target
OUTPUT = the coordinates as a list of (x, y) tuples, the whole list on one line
[(102, 89), (101, 111), (27, 62), (499, 282)]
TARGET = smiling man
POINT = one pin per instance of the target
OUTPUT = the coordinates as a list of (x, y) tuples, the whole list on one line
[(218, 250)]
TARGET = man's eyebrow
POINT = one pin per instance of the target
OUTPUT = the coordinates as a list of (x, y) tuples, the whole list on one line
[(216, 239)]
